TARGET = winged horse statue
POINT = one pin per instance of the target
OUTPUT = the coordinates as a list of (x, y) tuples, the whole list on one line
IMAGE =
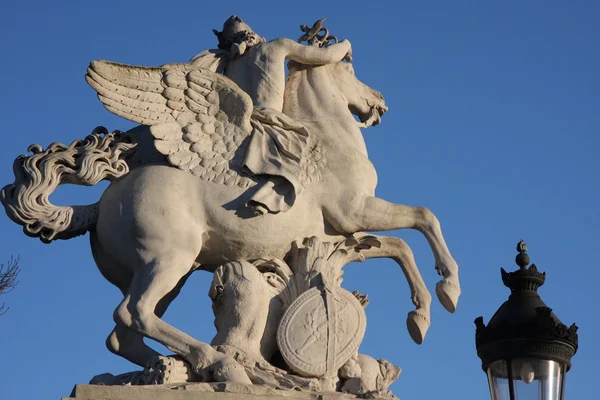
[(179, 193)]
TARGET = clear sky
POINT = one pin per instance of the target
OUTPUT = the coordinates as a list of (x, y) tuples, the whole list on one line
[(493, 123)]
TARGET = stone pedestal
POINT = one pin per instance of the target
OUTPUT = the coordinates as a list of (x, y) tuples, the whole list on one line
[(201, 391)]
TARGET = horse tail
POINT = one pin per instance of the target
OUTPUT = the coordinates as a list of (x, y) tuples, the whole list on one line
[(100, 156)]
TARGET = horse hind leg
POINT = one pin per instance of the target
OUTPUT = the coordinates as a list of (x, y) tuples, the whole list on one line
[(121, 341), (129, 344), (151, 283), (418, 320), (374, 214)]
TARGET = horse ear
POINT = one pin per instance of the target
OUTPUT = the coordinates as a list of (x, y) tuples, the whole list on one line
[(217, 33)]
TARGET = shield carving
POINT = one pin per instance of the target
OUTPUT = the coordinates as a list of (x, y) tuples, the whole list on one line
[(321, 330)]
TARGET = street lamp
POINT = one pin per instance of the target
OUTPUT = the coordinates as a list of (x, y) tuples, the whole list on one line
[(525, 350)]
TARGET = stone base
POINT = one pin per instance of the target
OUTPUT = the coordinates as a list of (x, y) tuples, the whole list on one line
[(203, 391)]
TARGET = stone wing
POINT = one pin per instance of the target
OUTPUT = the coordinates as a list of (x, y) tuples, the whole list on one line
[(199, 119)]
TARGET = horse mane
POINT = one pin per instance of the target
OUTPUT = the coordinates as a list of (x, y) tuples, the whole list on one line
[(296, 75), (296, 86)]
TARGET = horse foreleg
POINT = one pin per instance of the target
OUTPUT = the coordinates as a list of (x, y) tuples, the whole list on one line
[(374, 214), (418, 321)]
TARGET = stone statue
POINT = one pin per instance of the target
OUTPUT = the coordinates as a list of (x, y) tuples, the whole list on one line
[(232, 168)]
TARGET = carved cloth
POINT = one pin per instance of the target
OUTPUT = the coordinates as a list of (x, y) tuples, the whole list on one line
[(277, 148)]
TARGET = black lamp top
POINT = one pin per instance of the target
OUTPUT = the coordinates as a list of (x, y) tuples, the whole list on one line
[(524, 279), (524, 326)]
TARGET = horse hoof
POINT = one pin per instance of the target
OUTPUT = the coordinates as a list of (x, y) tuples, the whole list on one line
[(228, 370), (417, 326), (448, 293)]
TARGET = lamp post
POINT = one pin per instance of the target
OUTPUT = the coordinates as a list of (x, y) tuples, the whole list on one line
[(525, 350)]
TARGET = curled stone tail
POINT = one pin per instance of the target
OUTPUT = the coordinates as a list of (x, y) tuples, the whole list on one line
[(100, 156)]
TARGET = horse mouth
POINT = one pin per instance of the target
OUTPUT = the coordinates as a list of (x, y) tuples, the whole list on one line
[(374, 117)]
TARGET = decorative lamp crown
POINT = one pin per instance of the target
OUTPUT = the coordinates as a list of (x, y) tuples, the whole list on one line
[(524, 279), (524, 327)]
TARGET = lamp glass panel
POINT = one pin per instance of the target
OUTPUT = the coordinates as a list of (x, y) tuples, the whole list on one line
[(497, 374), (536, 379)]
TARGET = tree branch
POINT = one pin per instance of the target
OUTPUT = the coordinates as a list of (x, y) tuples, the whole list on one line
[(8, 279)]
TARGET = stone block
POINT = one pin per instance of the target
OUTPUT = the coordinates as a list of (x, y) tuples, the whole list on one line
[(199, 391)]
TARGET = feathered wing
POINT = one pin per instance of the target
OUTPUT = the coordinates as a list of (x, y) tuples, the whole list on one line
[(199, 119)]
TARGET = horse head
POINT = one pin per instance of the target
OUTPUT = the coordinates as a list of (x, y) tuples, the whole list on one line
[(332, 91), (364, 102)]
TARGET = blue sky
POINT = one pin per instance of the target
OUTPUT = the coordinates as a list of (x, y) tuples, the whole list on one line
[(494, 124)]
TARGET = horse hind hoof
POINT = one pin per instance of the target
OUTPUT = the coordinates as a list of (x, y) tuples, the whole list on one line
[(228, 370), (417, 326), (448, 293)]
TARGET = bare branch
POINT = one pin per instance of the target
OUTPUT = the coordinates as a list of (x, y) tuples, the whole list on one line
[(8, 279)]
